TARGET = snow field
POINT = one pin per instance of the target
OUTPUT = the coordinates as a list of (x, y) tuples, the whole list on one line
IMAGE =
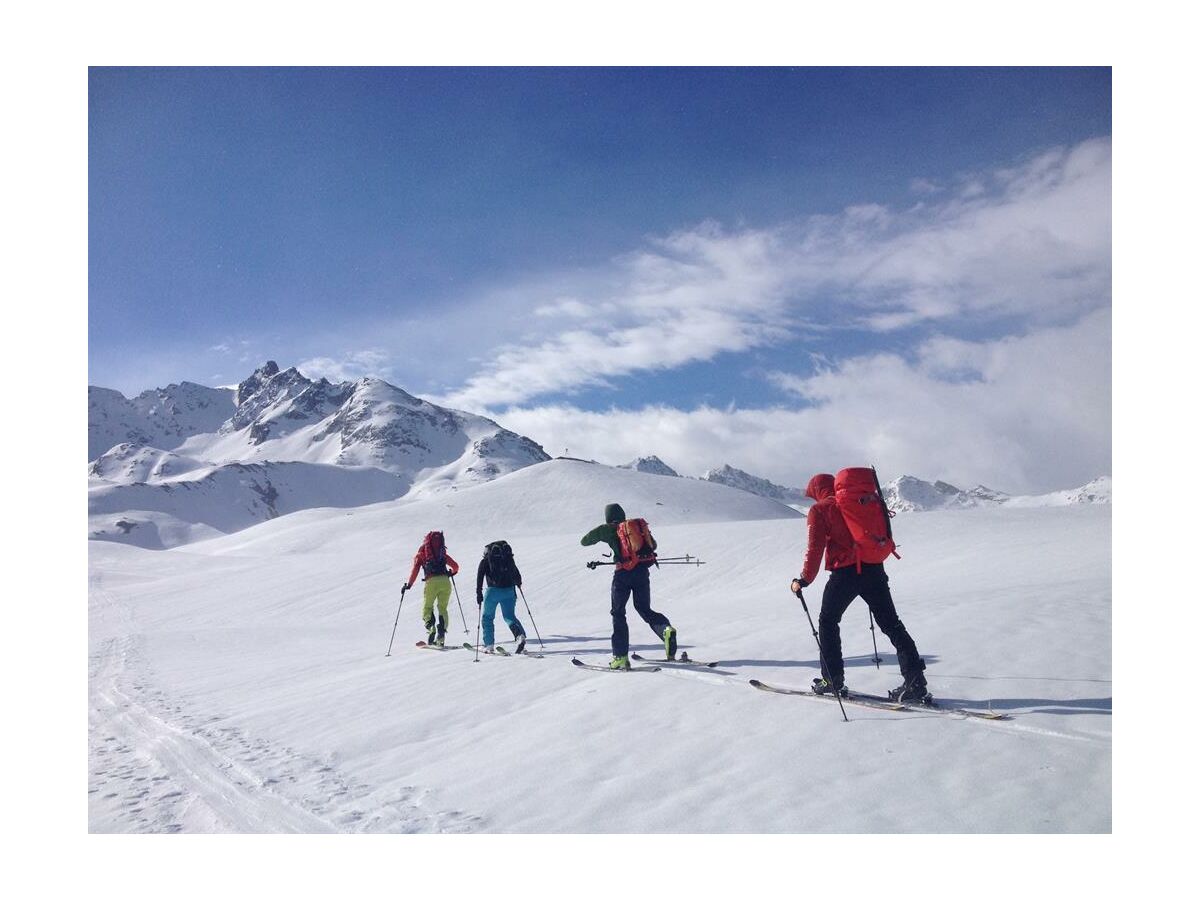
[(261, 656)]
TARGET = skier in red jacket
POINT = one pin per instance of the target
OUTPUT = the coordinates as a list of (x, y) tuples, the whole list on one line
[(439, 567), (850, 578)]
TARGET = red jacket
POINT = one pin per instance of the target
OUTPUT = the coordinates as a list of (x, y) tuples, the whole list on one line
[(419, 560), (827, 531)]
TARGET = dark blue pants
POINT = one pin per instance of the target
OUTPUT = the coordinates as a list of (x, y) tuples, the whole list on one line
[(872, 585), (636, 582)]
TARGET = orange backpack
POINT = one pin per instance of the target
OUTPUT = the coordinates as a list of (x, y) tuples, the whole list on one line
[(637, 544)]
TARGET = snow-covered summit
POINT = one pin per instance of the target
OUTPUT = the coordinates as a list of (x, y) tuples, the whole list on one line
[(282, 416), (736, 478), (651, 465)]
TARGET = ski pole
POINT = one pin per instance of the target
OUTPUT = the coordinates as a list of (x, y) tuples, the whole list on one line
[(460, 609), (875, 646), (397, 622), (530, 611), (478, 619), (820, 653)]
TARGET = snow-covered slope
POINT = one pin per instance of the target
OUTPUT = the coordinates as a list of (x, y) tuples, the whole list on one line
[(138, 463), (241, 683), (215, 500), (1098, 490), (744, 481), (551, 498), (651, 465)]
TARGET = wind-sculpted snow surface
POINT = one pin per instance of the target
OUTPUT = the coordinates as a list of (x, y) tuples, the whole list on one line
[(241, 684)]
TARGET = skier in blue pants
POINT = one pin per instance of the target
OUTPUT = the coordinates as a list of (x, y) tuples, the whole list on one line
[(503, 578)]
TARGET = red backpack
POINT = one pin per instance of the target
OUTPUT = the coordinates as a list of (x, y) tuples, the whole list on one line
[(434, 546), (860, 501), (637, 544)]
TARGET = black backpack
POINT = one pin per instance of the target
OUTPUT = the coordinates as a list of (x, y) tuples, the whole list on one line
[(501, 568)]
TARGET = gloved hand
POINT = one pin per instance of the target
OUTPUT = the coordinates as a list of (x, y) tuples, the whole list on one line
[(479, 599), (798, 584), (407, 587)]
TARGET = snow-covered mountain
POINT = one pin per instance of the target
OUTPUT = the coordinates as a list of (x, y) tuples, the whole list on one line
[(651, 465), (181, 461), (744, 481), (163, 417), (909, 494)]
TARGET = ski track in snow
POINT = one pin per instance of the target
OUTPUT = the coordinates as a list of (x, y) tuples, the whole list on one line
[(154, 766)]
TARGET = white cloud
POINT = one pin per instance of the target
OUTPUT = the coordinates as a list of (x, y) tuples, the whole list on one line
[(1030, 243), (1030, 413), (351, 367)]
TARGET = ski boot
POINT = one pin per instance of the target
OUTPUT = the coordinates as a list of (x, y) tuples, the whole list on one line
[(430, 634), (914, 691), (488, 648), (441, 632), (520, 642), (620, 662), (821, 686), (670, 641)]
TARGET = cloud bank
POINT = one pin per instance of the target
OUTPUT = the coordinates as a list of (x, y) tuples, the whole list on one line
[(1021, 414)]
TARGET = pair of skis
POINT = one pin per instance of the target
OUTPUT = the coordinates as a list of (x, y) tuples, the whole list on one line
[(874, 701)]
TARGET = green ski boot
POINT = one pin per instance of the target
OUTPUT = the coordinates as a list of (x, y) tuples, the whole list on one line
[(620, 662), (670, 641)]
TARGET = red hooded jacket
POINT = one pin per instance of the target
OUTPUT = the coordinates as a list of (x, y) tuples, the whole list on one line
[(827, 531)]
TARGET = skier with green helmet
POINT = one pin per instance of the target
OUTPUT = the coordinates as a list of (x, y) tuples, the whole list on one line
[(630, 576)]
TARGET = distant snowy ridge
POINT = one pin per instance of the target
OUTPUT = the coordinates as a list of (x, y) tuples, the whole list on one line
[(651, 465), (736, 478), (910, 494)]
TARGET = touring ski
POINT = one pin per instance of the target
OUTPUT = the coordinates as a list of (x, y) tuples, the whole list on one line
[(583, 665), (500, 651), (682, 660), (424, 645), (875, 702)]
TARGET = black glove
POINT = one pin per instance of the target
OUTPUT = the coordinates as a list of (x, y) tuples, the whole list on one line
[(798, 584), (407, 587)]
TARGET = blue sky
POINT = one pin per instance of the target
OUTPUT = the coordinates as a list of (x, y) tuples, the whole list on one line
[(739, 265)]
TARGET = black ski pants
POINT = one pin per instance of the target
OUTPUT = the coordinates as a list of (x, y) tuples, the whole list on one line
[(872, 585), (636, 582)]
